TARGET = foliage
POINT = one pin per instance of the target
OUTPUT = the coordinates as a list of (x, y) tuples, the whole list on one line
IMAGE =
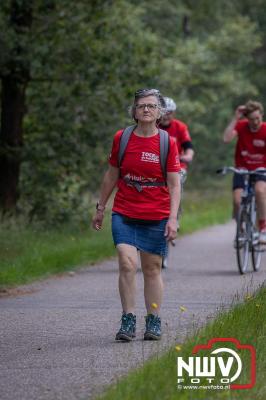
[(87, 59)]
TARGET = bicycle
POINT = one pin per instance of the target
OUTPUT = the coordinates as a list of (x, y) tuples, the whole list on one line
[(247, 233)]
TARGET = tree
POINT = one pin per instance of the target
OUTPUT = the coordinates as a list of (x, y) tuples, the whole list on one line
[(15, 76), (86, 59)]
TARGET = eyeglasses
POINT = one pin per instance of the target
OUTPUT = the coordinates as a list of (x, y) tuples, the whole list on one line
[(149, 106)]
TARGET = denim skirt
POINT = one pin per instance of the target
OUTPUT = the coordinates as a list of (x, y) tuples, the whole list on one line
[(149, 237)]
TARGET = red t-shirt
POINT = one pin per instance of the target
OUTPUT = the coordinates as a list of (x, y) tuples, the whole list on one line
[(178, 130), (250, 150), (141, 163)]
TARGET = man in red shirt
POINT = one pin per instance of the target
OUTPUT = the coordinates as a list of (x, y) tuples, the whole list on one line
[(178, 130), (248, 127)]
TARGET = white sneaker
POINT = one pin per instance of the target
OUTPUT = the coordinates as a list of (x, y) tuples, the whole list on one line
[(262, 237), (164, 262)]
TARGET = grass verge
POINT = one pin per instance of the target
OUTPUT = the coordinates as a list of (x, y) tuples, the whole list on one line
[(157, 379), (28, 253)]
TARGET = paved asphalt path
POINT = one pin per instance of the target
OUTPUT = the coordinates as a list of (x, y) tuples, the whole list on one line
[(57, 339)]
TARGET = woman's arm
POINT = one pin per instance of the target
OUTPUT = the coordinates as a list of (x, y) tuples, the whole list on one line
[(108, 184), (173, 183)]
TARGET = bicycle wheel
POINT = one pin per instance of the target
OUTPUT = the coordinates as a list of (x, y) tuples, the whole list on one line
[(242, 240), (255, 248), (256, 256)]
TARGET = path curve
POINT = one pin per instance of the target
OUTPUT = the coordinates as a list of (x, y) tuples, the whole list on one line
[(57, 343)]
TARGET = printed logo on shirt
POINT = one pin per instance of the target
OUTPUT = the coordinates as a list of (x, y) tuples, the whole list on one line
[(252, 158), (128, 177), (139, 181), (258, 143), (150, 157)]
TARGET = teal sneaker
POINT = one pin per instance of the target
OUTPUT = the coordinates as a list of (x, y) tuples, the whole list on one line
[(127, 332), (153, 327)]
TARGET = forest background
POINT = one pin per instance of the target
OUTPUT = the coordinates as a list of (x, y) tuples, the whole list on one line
[(69, 71)]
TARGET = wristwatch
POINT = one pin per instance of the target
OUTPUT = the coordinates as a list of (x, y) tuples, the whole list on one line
[(99, 207)]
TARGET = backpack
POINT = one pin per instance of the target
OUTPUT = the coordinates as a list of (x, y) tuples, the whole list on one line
[(164, 149)]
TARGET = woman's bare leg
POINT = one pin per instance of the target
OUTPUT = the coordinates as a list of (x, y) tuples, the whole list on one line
[(153, 283), (128, 263)]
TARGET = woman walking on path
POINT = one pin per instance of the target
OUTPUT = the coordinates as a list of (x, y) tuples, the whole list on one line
[(145, 209)]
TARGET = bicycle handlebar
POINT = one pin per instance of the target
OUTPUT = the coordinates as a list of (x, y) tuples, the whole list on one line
[(241, 171)]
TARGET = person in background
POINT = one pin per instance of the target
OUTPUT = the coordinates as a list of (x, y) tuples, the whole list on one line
[(179, 131), (144, 211), (248, 128)]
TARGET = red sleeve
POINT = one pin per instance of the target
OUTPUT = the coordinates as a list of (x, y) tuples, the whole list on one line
[(184, 134), (113, 158), (173, 164)]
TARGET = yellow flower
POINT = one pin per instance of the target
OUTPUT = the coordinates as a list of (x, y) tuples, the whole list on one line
[(248, 297), (182, 308), (258, 305), (154, 305), (178, 348)]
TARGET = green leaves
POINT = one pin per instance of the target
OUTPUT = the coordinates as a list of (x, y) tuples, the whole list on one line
[(87, 59)]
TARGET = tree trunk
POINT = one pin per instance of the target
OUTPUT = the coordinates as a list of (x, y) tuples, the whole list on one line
[(13, 109), (14, 84), (186, 26)]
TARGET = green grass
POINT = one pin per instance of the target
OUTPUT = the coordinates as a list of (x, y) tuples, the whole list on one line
[(202, 209), (28, 253), (156, 380)]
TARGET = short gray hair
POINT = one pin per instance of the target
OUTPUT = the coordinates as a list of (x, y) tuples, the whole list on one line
[(140, 94)]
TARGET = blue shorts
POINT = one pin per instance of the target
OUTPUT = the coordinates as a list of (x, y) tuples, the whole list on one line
[(149, 237)]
